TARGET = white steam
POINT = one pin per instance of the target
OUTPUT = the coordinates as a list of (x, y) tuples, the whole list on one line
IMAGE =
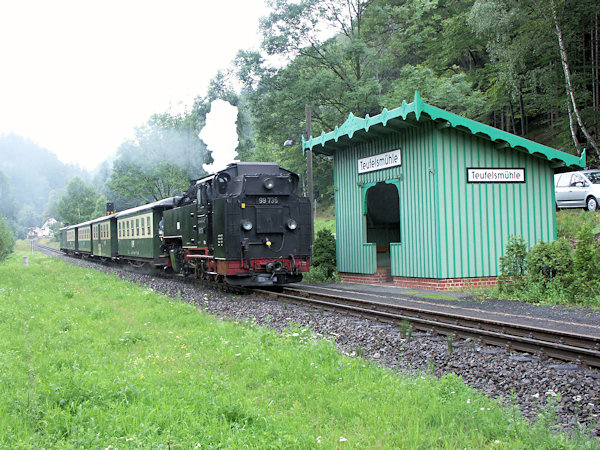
[(220, 135)]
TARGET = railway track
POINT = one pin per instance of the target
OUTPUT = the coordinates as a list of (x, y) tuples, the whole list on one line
[(567, 346), (559, 344)]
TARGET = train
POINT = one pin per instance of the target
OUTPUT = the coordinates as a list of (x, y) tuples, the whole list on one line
[(245, 225)]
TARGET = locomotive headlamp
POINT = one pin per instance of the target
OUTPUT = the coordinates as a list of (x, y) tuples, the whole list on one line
[(269, 183), (246, 225), (292, 224)]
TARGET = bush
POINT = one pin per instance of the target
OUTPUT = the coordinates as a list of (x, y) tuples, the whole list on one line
[(550, 262), (324, 258), (7, 241), (512, 264), (552, 271)]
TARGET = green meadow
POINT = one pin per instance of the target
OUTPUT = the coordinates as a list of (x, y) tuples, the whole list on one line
[(90, 361)]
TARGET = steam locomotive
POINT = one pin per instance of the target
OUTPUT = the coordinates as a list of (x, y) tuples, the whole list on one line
[(245, 225)]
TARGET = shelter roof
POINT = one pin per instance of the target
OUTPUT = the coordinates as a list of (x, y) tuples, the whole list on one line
[(358, 129)]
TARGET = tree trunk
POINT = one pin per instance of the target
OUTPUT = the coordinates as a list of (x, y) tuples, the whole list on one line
[(569, 86), (522, 112), (573, 128), (512, 118)]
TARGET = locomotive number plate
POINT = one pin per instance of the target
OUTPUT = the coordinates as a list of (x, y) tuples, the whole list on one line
[(268, 200)]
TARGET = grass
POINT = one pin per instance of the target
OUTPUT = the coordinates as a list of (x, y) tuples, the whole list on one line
[(325, 219), (570, 221), (88, 360)]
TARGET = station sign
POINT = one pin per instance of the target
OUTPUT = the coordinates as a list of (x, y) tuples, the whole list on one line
[(380, 162), (496, 175)]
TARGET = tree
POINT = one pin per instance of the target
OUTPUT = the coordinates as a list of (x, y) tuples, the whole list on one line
[(29, 217), (573, 109), (7, 240), (78, 203), (7, 199), (165, 154), (144, 182)]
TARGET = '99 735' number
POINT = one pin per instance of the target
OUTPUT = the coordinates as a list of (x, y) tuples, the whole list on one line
[(268, 200)]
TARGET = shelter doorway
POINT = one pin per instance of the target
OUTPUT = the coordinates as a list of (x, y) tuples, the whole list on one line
[(383, 220)]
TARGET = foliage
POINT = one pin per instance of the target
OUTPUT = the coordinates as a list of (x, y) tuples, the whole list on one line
[(79, 203), (7, 240), (550, 263), (143, 182), (324, 257), (98, 362), (569, 222), (552, 271), (586, 264), (30, 172), (165, 154), (495, 61), (512, 263)]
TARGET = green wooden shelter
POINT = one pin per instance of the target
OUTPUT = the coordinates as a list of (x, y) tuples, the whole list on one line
[(426, 198)]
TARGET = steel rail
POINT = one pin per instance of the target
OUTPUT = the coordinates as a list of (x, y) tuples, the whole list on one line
[(564, 345)]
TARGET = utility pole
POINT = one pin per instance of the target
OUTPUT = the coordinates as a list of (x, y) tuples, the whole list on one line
[(309, 167), (309, 177)]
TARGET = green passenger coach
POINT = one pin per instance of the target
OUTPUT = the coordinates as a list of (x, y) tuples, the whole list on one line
[(426, 198), (137, 232), (68, 239), (84, 238), (104, 237)]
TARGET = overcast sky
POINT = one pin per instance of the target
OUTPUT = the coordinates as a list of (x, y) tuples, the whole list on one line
[(76, 77)]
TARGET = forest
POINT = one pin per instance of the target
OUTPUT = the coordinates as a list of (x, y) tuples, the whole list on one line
[(530, 67)]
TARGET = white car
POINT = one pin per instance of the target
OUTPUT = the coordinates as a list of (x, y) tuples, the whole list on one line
[(578, 189)]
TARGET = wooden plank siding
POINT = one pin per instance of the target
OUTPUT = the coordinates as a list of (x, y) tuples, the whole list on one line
[(448, 228), (476, 219), (416, 254)]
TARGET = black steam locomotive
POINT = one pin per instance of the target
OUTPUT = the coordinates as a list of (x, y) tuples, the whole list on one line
[(245, 226)]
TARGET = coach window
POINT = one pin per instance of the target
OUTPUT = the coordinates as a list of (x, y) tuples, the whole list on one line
[(137, 227), (148, 226), (143, 226)]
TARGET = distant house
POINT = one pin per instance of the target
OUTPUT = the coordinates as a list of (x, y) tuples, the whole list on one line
[(35, 232), (46, 230)]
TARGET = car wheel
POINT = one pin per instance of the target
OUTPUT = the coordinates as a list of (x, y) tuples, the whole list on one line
[(591, 204)]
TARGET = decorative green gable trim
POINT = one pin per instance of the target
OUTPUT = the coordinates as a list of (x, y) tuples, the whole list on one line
[(326, 143)]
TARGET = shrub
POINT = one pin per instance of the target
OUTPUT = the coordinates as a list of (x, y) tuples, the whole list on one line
[(585, 262), (550, 262), (512, 264), (552, 271), (324, 258), (7, 241)]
